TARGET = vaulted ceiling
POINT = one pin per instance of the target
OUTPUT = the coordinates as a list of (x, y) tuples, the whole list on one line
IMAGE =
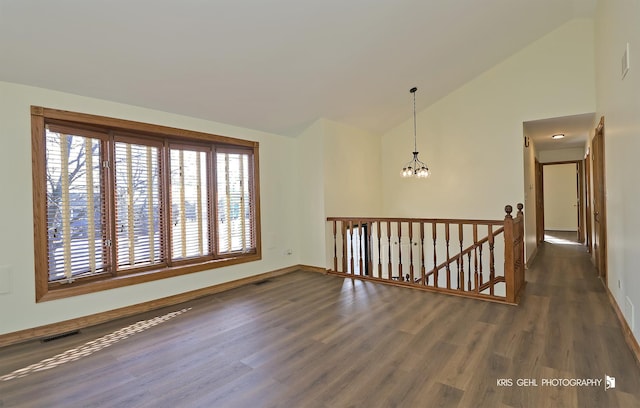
[(274, 65)]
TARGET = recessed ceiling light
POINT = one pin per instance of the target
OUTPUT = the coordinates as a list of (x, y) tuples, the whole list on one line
[(558, 136)]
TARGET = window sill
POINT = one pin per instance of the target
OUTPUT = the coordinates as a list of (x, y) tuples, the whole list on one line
[(83, 288)]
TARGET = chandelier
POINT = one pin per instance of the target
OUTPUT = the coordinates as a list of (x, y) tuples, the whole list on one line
[(415, 167)]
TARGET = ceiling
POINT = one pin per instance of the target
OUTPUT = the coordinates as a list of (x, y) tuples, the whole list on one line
[(576, 129), (274, 65)]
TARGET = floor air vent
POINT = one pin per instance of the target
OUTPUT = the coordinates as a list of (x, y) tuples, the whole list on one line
[(60, 336)]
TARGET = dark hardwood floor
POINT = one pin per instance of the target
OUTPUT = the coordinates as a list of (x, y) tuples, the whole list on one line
[(310, 340)]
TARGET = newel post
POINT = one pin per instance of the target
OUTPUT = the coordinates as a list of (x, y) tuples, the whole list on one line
[(521, 242), (520, 281), (509, 264)]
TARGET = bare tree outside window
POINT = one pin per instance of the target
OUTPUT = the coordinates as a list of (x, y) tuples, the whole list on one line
[(74, 205)]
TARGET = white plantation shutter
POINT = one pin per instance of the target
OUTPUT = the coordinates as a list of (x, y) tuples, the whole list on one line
[(235, 201), (75, 205), (189, 203), (137, 196)]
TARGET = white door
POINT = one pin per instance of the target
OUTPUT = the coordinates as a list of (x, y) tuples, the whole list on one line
[(560, 197)]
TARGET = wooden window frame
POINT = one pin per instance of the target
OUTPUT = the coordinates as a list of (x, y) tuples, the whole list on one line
[(120, 129), (253, 193), (199, 148)]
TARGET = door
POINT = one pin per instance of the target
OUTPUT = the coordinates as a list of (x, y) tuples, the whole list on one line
[(599, 204), (561, 187)]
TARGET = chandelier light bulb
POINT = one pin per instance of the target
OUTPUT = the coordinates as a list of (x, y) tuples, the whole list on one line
[(423, 172)]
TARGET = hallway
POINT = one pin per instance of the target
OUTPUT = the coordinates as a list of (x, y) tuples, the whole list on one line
[(582, 335), (313, 340)]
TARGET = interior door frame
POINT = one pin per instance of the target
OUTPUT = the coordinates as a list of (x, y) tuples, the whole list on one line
[(581, 205), (539, 183), (588, 208), (600, 203), (579, 200)]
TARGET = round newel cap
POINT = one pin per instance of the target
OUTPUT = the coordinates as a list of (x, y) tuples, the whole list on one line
[(508, 209), (520, 206)]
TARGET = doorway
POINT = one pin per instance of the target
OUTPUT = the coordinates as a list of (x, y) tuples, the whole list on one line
[(561, 204), (556, 140)]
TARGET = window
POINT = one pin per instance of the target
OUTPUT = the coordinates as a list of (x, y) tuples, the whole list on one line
[(189, 203), (235, 214), (137, 205), (74, 205), (119, 202)]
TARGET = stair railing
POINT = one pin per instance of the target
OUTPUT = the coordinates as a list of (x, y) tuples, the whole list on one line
[(453, 256)]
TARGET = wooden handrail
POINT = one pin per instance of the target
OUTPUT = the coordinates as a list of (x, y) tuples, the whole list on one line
[(420, 220), (487, 285), (396, 251)]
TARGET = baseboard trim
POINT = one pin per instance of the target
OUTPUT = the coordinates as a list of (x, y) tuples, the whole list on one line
[(631, 340), (54, 329), (310, 268)]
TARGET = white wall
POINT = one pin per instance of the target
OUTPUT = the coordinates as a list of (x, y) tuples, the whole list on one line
[(559, 155), (619, 101), (352, 172), (472, 138), (309, 170), (352, 176), (560, 197), (278, 205), (339, 174)]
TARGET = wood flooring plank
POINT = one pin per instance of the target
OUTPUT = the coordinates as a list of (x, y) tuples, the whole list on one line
[(371, 373), (461, 367)]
